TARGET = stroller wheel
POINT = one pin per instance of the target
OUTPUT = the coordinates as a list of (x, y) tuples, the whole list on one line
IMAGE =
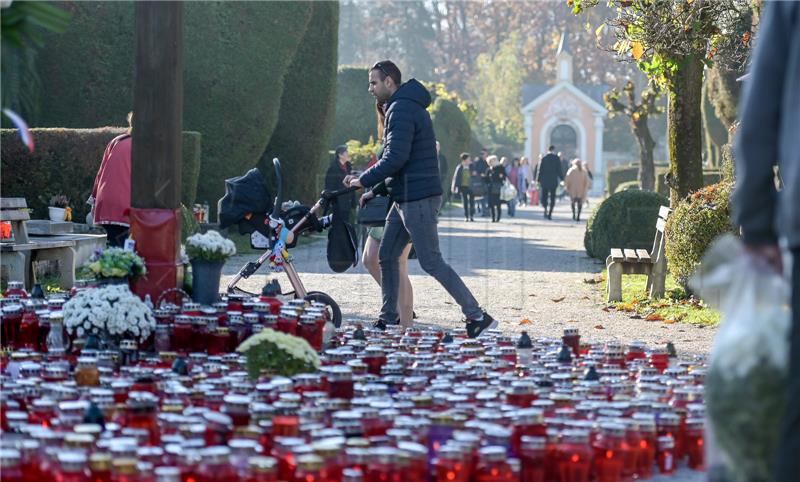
[(333, 308)]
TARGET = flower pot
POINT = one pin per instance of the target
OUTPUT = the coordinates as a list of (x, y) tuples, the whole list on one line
[(113, 280), (205, 280), (56, 214)]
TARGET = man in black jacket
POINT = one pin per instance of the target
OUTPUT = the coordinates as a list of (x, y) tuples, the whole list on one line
[(340, 167), (410, 170), (549, 174), (479, 168), (770, 123)]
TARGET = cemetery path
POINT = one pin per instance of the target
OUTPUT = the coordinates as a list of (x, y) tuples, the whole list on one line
[(523, 268)]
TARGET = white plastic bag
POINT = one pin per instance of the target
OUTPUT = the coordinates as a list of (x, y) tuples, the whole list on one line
[(745, 384), (507, 191)]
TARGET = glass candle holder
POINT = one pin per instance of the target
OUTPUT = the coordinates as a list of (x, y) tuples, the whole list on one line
[(574, 456), (666, 455), (449, 466), (340, 382), (572, 339), (532, 459), (287, 322)]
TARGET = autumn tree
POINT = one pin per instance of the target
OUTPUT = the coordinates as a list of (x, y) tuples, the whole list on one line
[(673, 42), (637, 112)]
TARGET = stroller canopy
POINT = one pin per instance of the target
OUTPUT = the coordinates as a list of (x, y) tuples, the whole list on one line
[(243, 195)]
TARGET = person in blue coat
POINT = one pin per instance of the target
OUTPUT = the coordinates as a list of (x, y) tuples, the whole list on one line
[(409, 169)]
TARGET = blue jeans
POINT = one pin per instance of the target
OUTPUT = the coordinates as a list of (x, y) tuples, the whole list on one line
[(789, 442), (416, 221)]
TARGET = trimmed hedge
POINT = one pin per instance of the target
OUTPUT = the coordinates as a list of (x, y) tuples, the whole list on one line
[(355, 108), (693, 225), (235, 58), (307, 106), (626, 219), (452, 132), (66, 162), (627, 185), (620, 174)]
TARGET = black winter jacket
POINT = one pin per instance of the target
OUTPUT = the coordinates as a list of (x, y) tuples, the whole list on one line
[(409, 163), (549, 172)]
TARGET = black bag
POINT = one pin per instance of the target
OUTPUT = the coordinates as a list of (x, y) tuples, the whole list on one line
[(478, 186), (374, 211), (342, 246)]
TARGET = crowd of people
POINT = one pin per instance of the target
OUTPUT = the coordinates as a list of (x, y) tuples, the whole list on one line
[(485, 183)]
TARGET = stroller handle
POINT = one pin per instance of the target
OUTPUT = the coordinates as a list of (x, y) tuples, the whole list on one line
[(276, 209)]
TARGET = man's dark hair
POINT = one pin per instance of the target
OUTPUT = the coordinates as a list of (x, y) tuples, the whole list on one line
[(551, 148), (484, 151), (387, 68), (464, 156)]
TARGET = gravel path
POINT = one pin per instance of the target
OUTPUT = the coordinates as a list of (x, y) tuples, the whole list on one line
[(521, 268)]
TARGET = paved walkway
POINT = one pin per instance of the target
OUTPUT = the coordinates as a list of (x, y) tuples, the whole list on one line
[(523, 268)]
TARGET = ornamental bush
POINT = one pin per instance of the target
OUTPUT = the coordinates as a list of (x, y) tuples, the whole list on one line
[(626, 219), (693, 224)]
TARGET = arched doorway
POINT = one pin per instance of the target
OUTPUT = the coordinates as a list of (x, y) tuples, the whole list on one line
[(565, 139)]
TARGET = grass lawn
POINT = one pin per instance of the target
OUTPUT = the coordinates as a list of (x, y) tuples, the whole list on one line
[(675, 307)]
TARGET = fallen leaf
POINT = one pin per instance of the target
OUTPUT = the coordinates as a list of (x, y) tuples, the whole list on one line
[(572, 321), (606, 309), (599, 327), (525, 321), (669, 321), (637, 49), (558, 300), (531, 294), (625, 307), (681, 331), (586, 298), (654, 317), (635, 317)]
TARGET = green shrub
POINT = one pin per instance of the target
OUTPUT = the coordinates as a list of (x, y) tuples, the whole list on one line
[(693, 224), (355, 108), (619, 174), (308, 107), (236, 55), (360, 154), (626, 219), (627, 185), (66, 162), (452, 132)]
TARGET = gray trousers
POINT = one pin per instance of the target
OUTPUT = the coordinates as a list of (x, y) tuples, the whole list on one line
[(789, 444), (416, 221)]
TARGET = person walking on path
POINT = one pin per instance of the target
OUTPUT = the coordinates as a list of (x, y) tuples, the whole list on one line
[(549, 175), (577, 184), (408, 171), (495, 176), (111, 192), (767, 135), (339, 168), (479, 169), (524, 180), (461, 186)]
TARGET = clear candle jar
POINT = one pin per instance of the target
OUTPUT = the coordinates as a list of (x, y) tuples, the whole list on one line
[(86, 373)]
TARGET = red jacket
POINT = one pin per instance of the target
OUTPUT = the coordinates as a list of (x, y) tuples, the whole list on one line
[(111, 194)]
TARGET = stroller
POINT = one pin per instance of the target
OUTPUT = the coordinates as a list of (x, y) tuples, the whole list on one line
[(276, 227)]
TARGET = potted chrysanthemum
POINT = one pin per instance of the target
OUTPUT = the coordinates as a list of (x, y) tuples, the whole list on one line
[(207, 252), (277, 353), (109, 312), (116, 266)]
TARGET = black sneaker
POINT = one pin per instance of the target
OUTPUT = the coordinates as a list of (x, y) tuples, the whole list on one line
[(379, 325), (475, 327)]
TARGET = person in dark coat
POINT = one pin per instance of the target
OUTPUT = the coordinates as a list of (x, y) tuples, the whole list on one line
[(767, 135), (478, 169), (496, 175), (410, 170), (549, 175), (461, 186), (339, 168)]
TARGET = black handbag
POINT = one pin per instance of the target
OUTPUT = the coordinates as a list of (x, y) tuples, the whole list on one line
[(374, 211), (478, 186)]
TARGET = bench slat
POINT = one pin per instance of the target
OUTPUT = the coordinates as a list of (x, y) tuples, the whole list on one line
[(35, 243), (660, 225), (617, 255), (664, 212), (13, 202), (14, 215), (630, 256), (644, 256)]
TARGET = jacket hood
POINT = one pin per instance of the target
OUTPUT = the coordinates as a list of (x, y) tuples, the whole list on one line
[(413, 90)]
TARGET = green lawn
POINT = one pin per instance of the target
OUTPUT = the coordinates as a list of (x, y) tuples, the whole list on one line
[(674, 307)]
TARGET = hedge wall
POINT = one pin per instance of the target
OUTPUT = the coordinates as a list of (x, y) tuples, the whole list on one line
[(620, 174), (66, 161), (300, 140), (452, 132), (355, 108), (236, 55)]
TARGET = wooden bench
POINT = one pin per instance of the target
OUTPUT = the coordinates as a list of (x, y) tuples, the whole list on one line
[(18, 255), (640, 261)]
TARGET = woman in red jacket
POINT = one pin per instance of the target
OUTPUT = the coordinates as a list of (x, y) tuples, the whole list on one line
[(111, 194)]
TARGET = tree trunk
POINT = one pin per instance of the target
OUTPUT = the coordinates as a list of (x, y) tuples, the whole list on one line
[(684, 129), (647, 168)]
